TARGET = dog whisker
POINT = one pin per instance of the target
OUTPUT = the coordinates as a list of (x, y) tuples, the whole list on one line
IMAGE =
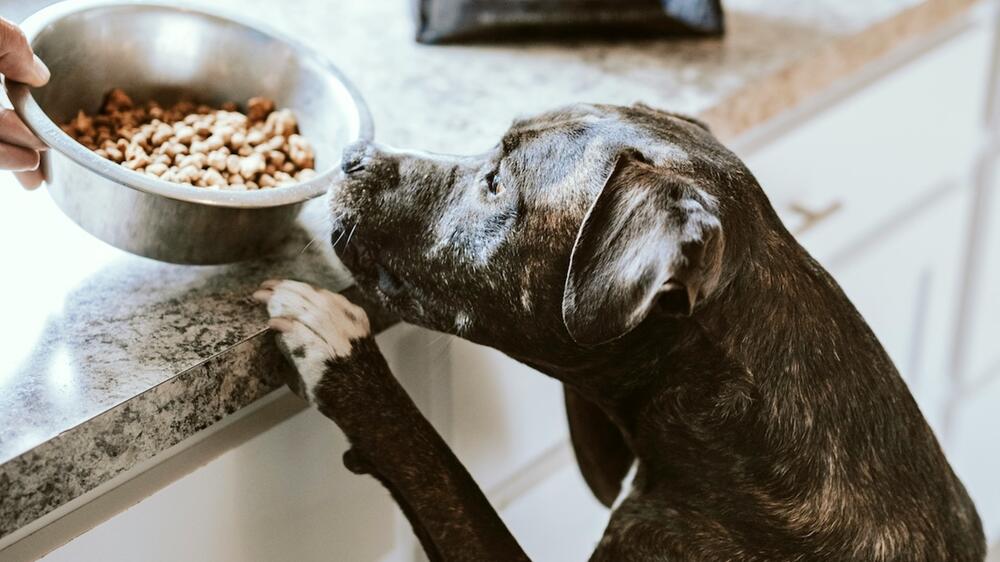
[(310, 243), (337, 241), (346, 244)]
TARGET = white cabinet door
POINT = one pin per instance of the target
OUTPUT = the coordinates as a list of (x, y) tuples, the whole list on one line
[(504, 415), (983, 364), (872, 160), (559, 520), (975, 449), (974, 452)]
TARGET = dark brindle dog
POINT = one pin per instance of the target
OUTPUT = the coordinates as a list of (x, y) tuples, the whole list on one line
[(625, 252)]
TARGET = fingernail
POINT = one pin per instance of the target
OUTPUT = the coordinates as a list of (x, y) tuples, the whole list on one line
[(41, 71)]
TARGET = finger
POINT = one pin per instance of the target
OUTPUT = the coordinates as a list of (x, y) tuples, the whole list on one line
[(31, 179), (14, 131), (18, 158), (17, 62), (263, 295)]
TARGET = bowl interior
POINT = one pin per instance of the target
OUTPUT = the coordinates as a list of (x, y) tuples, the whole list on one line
[(163, 53)]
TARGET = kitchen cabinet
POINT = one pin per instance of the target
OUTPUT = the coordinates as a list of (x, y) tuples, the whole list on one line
[(983, 365), (973, 443), (505, 415)]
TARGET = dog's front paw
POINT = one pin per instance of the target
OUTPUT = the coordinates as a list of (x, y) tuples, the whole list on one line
[(315, 328)]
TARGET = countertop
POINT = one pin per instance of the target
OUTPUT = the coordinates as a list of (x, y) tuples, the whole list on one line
[(109, 359)]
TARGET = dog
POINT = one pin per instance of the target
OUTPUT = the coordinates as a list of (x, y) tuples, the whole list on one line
[(625, 252)]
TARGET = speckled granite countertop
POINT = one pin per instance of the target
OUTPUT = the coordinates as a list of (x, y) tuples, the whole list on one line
[(109, 359)]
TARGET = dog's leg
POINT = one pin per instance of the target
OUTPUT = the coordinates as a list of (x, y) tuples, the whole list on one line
[(342, 372), (601, 452)]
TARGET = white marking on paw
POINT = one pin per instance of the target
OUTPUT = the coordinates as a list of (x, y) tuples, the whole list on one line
[(314, 326)]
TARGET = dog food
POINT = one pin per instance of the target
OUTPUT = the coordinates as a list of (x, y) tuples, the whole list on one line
[(197, 145)]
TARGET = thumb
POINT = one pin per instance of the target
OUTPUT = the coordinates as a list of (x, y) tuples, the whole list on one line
[(17, 62)]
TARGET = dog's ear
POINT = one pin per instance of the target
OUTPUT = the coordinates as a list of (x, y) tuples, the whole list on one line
[(650, 240)]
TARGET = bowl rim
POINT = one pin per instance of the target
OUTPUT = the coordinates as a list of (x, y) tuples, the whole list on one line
[(52, 135)]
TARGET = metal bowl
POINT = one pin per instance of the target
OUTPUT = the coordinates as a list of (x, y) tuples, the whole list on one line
[(163, 52)]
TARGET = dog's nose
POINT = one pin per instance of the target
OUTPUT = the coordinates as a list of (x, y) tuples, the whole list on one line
[(356, 156)]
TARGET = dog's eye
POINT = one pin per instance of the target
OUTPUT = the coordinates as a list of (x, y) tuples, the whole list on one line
[(493, 183)]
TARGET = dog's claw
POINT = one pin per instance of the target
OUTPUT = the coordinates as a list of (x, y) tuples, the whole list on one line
[(280, 324)]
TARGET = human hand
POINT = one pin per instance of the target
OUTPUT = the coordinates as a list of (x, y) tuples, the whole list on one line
[(20, 149)]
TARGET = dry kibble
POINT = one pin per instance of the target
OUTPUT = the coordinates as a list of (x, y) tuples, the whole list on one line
[(251, 166), (233, 164), (259, 108), (213, 177), (189, 174), (214, 142), (225, 133), (255, 137), (156, 169), (82, 122), (197, 145), (217, 160), (300, 152), (183, 134), (133, 165), (276, 157), (196, 160), (175, 149), (113, 153), (162, 133), (141, 137)]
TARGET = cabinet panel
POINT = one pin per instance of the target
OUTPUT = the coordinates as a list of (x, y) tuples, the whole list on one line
[(283, 495), (984, 338), (504, 414), (868, 160), (975, 449), (974, 452), (559, 520)]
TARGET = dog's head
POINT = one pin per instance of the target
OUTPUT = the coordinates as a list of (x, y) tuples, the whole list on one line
[(585, 220)]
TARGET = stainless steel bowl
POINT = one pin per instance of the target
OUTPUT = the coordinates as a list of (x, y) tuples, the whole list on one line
[(162, 52)]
